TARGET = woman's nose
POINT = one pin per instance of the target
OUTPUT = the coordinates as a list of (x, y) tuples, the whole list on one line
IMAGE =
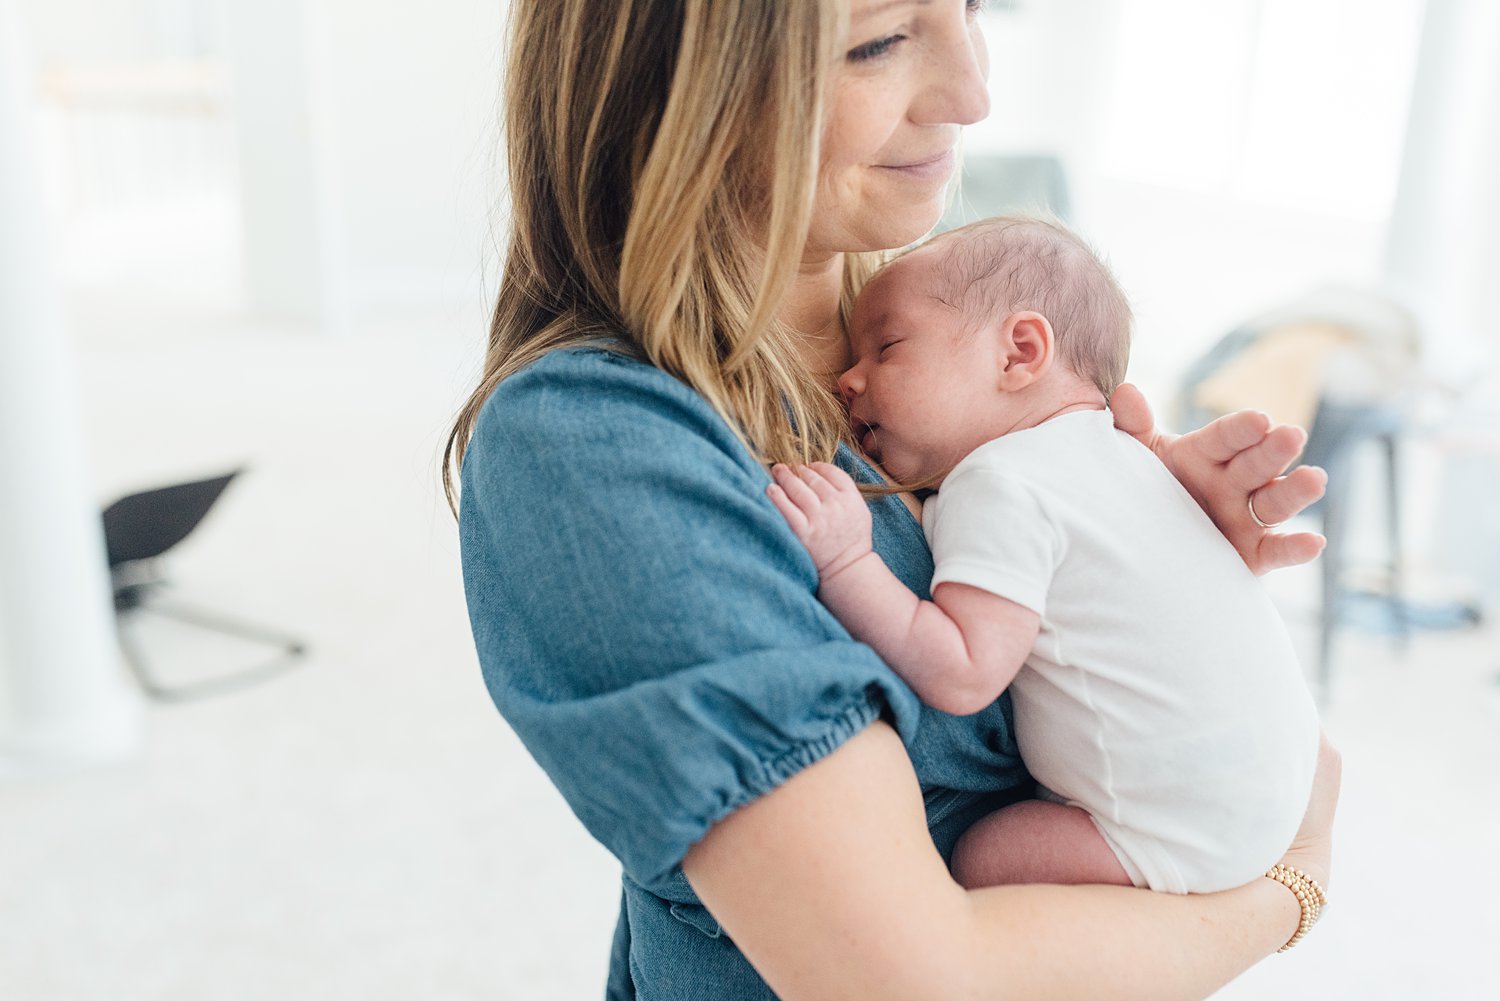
[(957, 92)]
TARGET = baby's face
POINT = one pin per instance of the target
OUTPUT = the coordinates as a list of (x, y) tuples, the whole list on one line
[(923, 390)]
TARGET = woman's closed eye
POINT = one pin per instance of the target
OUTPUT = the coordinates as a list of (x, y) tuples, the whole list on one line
[(875, 49)]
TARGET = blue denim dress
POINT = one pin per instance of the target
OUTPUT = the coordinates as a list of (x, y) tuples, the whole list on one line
[(649, 626)]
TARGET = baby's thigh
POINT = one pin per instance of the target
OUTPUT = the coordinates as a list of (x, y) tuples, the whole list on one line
[(1036, 842)]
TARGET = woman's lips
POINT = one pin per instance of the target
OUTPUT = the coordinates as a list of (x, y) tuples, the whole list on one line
[(867, 438), (936, 168)]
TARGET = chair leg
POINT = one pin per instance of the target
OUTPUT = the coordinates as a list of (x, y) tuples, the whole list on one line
[(138, 666), (1397, 596), (290, 650), (208, 619)]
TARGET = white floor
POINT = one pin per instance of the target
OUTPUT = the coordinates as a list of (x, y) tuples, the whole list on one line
[(365, 826)]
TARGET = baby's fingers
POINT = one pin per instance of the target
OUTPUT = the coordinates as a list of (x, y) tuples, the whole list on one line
[(795, 488), (827, 492), (791, 512), (841, 480)]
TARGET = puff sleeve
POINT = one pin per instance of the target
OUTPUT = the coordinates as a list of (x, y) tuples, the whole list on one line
[(643, 617)]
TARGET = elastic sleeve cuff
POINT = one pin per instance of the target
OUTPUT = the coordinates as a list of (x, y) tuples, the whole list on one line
[(671, 757)]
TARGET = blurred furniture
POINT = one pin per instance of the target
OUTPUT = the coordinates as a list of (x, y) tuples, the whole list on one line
[(138, 530), (999, 184), (1341, 362)]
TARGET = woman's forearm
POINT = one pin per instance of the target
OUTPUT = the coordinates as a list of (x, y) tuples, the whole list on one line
[(832, 888), (1046, 941)]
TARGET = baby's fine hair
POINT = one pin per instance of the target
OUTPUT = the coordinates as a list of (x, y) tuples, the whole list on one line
[(1003, 264)]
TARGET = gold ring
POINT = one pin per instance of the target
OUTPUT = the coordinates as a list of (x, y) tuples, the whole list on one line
[(1250, 503)]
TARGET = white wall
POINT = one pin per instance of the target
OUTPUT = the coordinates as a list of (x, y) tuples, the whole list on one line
[(342, 158), (408, 97), (1223, 156), (1444, 250), (63, 697)]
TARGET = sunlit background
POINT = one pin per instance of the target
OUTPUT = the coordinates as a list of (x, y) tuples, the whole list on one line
[(258, 236)]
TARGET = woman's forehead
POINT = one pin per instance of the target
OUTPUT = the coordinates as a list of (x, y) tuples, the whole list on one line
[(869, 8)]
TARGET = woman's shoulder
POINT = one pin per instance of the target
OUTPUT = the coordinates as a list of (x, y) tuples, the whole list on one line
[(586, 382), (597, 404), (587, 408)]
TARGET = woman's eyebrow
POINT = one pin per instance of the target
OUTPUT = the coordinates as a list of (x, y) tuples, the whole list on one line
[(888, 5)]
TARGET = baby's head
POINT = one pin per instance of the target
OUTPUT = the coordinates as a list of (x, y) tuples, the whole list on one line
[(986, 329)]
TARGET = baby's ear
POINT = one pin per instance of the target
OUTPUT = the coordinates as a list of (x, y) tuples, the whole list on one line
[(1026, 349)]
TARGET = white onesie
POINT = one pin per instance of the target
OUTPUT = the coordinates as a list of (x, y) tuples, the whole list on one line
[(1162, 695)]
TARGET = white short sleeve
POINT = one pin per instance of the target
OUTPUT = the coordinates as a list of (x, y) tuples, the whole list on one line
[(991, 532)]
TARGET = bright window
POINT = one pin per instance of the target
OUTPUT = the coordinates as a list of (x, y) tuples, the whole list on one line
[(1295, 103)]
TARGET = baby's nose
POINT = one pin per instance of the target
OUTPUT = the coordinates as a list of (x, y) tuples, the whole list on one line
[(851, 384)]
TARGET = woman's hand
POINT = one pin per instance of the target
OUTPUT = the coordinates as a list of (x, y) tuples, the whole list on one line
[(1313, 846), (1229, 464)]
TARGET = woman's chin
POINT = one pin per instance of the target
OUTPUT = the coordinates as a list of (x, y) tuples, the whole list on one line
[(904, 227), (890, 226)]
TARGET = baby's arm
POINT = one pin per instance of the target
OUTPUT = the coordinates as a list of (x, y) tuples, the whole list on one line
[(957, 652)]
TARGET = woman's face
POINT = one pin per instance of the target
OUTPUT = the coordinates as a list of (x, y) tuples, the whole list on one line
[(914, 73)]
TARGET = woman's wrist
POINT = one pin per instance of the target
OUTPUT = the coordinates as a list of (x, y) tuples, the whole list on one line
[(1312, 864), (1277, 914), (1309, 896)]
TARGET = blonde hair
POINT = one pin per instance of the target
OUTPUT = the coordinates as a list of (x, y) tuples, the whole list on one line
[(663, 158), (1004, 264)]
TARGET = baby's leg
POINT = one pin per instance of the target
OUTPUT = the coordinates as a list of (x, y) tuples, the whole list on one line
[(1035, 842)]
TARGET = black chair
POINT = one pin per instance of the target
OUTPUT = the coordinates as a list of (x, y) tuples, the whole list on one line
[(138, 530)]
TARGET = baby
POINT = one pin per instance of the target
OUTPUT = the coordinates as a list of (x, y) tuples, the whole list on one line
[(1158, 700)]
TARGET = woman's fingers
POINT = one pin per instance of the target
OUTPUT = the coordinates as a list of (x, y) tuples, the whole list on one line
[(1230, 437), (1265, 458), (1289, 495), (1279, 500), (1226, 463), (1133, 414), (1277, 551)]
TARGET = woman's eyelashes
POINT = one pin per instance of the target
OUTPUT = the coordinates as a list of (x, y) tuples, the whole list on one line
[(875, 49)]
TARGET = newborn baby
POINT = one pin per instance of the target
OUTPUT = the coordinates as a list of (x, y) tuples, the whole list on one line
[(1158, 701)]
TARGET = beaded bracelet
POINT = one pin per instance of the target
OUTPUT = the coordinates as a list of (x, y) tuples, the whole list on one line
[(1310, 897)]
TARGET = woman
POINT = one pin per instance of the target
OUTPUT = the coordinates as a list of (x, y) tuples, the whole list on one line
[(698, 190)]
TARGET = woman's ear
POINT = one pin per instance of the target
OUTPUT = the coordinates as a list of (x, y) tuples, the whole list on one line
[(1026, 349)]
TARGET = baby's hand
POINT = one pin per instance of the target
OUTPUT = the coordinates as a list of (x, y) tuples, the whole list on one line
[(826, 512)]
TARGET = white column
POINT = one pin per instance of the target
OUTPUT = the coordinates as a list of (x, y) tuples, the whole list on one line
[(293, 255), (63, 697), (1443, 244)]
